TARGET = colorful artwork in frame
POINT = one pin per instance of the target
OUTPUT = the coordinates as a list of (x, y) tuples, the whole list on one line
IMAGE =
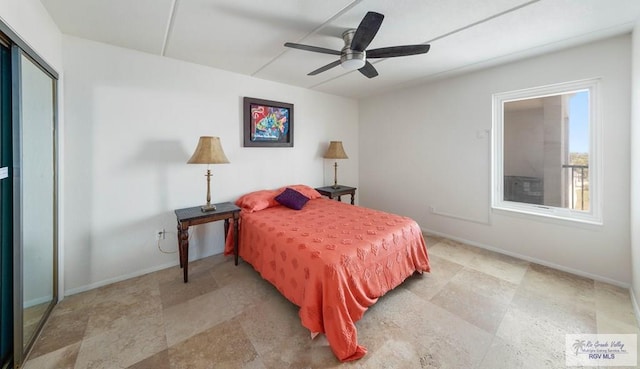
[(267, 123)]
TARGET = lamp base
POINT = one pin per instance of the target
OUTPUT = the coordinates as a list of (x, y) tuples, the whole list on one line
[(208, 207), (336, 186)]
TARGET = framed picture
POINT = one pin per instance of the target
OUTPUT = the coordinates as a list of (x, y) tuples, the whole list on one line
[(267, 123)]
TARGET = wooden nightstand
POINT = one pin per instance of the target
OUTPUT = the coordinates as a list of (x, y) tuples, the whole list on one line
[(337, 193), (193, 216)]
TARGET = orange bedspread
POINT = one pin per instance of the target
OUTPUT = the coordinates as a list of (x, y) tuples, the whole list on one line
[(333, 260)]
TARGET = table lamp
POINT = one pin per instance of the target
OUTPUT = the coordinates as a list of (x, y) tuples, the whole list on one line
[(209, 151), (335, 151)]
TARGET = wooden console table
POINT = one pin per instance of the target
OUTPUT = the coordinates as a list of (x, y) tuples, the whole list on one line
[(193, 216)]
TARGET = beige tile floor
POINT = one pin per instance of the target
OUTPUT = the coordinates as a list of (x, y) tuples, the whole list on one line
[(477, 309), (32, 317)]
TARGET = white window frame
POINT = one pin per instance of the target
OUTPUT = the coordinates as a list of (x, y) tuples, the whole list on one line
[(594, 214)]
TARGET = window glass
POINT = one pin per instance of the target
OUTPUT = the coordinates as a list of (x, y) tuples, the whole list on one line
[(544, 151)]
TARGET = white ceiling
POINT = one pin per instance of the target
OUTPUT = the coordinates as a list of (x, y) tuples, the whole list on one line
[(247, 36)]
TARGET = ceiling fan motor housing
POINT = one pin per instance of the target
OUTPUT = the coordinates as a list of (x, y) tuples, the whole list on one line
[(351, 59)]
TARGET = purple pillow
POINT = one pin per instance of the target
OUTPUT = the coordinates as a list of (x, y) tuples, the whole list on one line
[(292, 199)]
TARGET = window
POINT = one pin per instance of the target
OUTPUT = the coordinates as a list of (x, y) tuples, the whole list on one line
[(545, 151)]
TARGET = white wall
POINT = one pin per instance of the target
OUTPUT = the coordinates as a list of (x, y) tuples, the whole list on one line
[(435, 153), (31, 21), (133, 120), (635, 168)]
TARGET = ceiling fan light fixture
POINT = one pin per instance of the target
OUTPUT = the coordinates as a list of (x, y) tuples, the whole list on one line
[(352, 60), (353, 64)]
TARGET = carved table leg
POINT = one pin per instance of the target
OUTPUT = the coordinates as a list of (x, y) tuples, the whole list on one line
[(235, 235), (183, 246), (180, 242), (352, 196)]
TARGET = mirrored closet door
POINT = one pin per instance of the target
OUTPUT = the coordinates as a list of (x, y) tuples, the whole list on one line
[(36, 196), (28, 196)]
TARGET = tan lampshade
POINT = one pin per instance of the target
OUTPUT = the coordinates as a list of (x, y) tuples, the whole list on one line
[(335, 151), (209, 151)]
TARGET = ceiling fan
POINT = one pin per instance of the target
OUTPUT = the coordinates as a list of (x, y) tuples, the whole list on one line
[(354, 54)]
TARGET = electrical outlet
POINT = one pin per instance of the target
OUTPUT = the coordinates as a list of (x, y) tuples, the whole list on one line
[(432, 208), (160, 234)]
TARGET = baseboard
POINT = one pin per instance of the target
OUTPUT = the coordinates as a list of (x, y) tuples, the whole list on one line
[(532, 259), (37, 301), (636, 309), (119, 278), (137, 273)]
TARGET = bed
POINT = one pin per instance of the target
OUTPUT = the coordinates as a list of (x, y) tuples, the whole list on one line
[(331, 259)]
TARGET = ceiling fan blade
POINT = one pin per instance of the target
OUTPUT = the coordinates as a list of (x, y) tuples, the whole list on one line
[(368, 70), (393, 51), (312, 48), (325, 68), (366, 31)]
